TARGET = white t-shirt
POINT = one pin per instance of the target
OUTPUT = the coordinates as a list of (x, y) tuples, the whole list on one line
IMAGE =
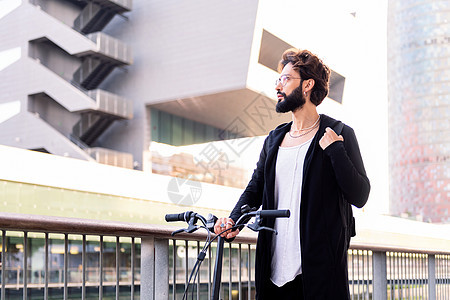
[(286, 252)]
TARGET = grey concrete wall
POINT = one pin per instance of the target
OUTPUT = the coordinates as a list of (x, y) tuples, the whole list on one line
[(63, 10), (180, 49), (55, 58), (53, 113)]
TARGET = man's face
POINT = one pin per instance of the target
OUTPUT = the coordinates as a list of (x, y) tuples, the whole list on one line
[(289, 90)]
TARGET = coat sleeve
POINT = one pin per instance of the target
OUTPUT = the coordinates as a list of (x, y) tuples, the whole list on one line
[(253, 193), (349, 168)]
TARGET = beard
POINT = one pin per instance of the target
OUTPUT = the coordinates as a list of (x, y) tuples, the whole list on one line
[(294, 101)]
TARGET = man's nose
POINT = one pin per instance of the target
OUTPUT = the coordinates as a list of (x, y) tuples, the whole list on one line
[(278, 87)]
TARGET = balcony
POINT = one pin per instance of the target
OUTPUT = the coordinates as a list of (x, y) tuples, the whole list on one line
[(89, 256), (111, 48)]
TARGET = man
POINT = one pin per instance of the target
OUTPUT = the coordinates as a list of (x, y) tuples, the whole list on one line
[(306, 167)]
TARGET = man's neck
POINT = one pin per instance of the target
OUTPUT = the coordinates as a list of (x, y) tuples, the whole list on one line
[(304, 117)]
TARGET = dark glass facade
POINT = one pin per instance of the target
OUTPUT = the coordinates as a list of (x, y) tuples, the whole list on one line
[(419, 108)]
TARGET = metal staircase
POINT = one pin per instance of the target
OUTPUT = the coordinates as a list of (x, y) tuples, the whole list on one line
[(100, 54), (97, 14)]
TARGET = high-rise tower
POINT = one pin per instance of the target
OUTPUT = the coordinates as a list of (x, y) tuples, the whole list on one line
[(419, 108)]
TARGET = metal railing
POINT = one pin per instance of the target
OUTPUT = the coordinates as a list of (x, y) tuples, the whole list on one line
[(111, 103), (111, 47), (374, 272)]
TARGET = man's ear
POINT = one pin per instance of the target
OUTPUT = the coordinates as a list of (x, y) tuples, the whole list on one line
[(308, 84)]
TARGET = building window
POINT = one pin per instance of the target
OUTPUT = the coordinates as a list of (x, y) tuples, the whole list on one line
[(178, 131)]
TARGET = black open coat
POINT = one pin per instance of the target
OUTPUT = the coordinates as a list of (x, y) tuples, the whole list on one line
[(329, 177)]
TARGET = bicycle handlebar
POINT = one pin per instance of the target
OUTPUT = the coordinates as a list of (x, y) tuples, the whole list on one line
[(176, 217), (191, 217), (280, 213)]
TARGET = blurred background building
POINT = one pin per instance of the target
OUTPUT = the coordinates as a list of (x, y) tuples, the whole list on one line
[(419, 109), (100, 81)]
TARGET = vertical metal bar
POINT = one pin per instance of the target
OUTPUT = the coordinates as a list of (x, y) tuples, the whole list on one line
[(25, 265), (198, 272), (117, 267), (249, 288), (447, 257), (368, 276), (400, 286), (411, 269), (411, 272), (100, 266), (240, 271), (431, 276), (3, 263), (447, 276), (391, 277), (363, 282), (379, 275), (209, 271), (230, 282), (438, 271), (353, 274), (174, 278), (405, 272), (83, 269), (186, 264), (396, 271), (416, 269), (424, 275), (133, 255), (66, 265), (45, 267), (357, 265), (439, 276)]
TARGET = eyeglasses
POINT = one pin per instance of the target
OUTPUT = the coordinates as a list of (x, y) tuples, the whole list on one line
[(284, 79)]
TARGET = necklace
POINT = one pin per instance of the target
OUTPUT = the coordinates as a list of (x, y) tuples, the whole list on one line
[(303, 134), (313, 125)]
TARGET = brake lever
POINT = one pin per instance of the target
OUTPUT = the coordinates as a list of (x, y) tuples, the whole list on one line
[(190, 229), (256, 226), (259, 228)]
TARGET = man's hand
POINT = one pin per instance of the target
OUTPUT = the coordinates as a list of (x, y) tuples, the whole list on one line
[(329, 137), (224, 224)]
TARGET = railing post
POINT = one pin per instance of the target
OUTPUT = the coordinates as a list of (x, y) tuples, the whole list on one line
[(431, 276), (147, 268), (379, 276), (162, 269)]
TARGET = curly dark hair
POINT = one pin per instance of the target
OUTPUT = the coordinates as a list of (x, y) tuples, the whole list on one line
[(309, 66)]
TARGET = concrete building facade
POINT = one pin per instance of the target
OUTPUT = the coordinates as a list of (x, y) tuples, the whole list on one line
[(100, 80)]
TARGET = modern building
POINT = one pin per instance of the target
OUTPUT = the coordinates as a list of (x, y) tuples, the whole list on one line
[(419, 109), (102, 80)]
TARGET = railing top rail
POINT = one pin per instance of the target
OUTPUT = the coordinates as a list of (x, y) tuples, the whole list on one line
[(53, 224)]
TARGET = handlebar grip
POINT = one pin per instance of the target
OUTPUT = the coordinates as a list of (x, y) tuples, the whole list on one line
[(175, 217), (281, 213)]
